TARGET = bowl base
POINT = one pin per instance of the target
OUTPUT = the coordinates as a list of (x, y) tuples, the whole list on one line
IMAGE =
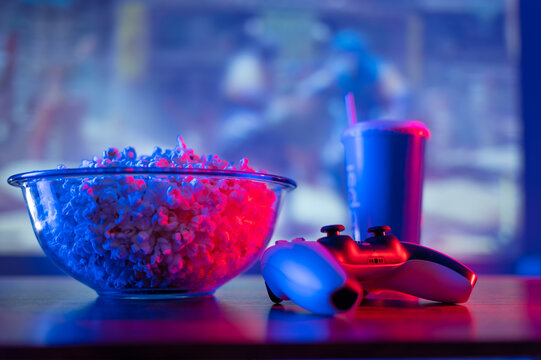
[(152, 294)]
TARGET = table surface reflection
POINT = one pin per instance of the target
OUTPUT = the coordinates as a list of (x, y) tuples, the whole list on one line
[(57, 317)]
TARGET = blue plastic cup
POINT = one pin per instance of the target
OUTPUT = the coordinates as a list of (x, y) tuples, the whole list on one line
[(385, 170)]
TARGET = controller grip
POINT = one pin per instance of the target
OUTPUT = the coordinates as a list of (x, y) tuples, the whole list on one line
[(309, 275), (430, 275)]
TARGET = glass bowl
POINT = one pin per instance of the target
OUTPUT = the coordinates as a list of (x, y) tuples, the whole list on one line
[(152, 233)]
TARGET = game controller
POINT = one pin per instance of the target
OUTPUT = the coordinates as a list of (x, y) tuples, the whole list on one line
[(331, 275)]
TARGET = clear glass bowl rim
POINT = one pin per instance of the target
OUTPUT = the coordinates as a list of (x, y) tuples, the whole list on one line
[(20, 179)]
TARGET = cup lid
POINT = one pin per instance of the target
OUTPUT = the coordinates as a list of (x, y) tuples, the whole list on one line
[(415, 128)]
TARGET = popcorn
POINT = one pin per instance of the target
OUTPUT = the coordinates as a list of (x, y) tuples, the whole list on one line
[(159, 231)]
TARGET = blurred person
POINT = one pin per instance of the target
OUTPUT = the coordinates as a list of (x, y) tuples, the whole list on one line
[(378, 88), (246, 90), (251, 120)]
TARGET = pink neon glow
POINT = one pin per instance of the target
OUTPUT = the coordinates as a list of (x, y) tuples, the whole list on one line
[(198, 236), (184, 232), (415, 128)]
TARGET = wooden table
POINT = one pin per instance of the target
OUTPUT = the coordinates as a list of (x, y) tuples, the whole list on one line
[(57, 317)]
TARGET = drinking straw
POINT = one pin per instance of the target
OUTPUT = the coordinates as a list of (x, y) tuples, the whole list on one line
[(350, 108)]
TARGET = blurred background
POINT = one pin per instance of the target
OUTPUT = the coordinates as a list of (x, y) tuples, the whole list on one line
[(265, 80)]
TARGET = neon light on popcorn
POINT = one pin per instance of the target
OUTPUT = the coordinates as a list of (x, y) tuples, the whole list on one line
[(154, 229)]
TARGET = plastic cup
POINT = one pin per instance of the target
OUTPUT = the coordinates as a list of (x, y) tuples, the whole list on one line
[(385, 170)]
